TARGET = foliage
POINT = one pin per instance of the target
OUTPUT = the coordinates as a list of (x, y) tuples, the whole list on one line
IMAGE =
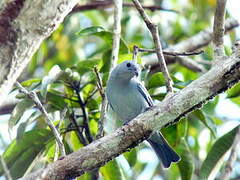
[(61, 73)]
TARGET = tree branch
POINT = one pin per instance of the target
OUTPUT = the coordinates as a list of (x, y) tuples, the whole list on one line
[(217, 80), (116, 32), (22, 29), (154, 31), (106, 4), (78, 129), (171, 53), (76, 87), (203, 38), (33, 96), (218, 28)]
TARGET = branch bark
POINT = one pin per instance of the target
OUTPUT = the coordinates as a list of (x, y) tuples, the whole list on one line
[(116, 32), (218, 27), (22, 29), (219, 78)]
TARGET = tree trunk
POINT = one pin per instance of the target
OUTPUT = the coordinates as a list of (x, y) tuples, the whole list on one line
[(23, 26)]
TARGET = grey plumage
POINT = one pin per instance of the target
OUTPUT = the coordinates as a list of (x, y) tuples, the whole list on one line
[(128, 98)]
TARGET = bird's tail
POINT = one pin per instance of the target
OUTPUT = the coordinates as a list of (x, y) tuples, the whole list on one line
[(164, 152)]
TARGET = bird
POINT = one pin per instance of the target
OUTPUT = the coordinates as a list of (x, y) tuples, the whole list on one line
[(127, 98)]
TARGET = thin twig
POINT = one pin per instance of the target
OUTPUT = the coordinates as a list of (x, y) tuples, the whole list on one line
[(218, 28), (33, 96), (62, 116), (78, 129), (106, 4), (91, 95), (187, 62), (82, 105), (232, 158), (103, 106), (5, 169), (154, 31), (99, 82), (204, 62), (169, 53)]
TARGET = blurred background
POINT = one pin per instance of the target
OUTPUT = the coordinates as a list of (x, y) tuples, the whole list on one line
[(83, 41)]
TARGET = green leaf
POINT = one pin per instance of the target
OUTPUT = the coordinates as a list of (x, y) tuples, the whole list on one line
[(219, 148), (236, 100), (20, 154), (182, 127), (106, 60), (29, 82), (55, 99), (234, 91), (22, 127), (105, 35), (156, 80), (90, 30), (111, 171), (186, 165), (206, 120), (170, 133), (75, 142), (50, 151), (209, 108), (18, 111), (53, 74), (131, 157), (159, 96), (87, 65)]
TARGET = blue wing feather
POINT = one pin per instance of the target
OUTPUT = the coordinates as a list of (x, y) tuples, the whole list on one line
[(145, 94)]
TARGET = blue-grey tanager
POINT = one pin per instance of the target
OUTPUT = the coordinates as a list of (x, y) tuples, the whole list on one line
[(128, 98)]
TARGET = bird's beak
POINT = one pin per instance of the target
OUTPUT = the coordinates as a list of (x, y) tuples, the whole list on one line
[(136, 73)]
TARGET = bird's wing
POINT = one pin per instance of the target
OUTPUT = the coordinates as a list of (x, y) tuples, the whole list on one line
[(145, 94)]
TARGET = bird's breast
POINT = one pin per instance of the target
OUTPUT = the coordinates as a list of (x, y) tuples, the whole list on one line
[(127, 102)]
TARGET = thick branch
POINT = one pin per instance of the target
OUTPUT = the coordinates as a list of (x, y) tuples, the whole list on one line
[(170, 110), (23, 26), (218, 27), (203, 38)]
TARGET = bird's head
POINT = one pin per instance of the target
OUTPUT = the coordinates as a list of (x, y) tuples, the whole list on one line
[(126, 70)]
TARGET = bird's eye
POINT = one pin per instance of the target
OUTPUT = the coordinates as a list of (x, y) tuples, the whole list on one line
[(128, 64)]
